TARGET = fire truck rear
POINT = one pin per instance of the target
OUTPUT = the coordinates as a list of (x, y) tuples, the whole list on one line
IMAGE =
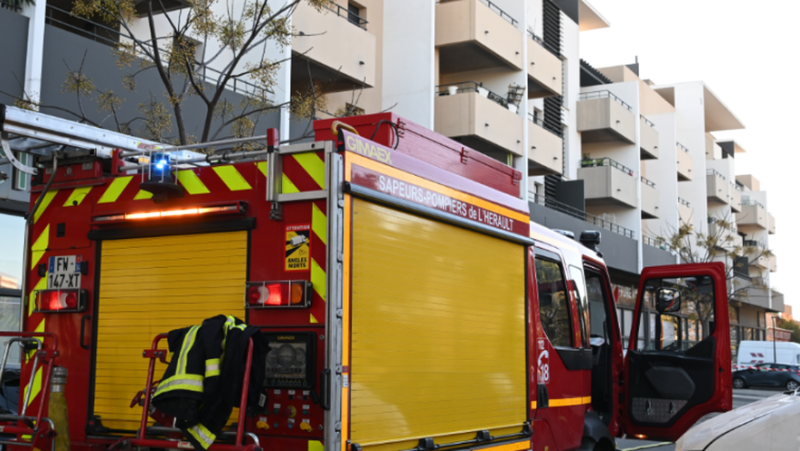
[(408, 301)]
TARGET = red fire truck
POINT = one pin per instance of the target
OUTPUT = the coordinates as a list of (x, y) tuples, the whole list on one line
[(409, 302)]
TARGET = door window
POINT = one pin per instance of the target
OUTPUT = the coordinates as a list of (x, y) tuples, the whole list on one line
[(685, 312), (553, 300), (579, 294), (597, 307)]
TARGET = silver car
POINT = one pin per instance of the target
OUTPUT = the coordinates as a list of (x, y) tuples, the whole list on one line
[(769, 424)]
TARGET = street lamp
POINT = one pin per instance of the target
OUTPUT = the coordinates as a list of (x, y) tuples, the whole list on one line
[(774, 344)]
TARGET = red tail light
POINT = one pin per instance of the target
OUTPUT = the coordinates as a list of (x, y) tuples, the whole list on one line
[(292, 294), (57, 300)]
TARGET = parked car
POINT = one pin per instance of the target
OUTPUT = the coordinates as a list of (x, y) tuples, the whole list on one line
[(768, 375), (766, 424)]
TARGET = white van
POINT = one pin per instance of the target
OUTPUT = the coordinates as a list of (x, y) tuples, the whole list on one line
[(753, 352)]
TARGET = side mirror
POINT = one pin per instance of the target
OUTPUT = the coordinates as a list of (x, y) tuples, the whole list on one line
[(668, 300)]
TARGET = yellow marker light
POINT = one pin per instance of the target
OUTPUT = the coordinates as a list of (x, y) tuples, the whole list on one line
[(262, 425), (192, 211), (305, 427)]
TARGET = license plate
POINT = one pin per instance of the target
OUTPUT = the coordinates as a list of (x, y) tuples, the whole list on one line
[(64, 272)]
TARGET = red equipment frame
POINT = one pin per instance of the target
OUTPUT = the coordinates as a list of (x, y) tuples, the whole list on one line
[(36, 427), (141, 440)]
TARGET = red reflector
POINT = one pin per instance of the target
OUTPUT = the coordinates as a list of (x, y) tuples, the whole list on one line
[(278, 294), (54, 301)]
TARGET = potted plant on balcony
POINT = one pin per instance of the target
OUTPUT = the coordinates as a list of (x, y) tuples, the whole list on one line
[(452, 90), (587, 161)]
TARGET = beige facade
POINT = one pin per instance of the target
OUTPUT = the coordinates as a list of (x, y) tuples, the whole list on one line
[(650, 200), (544, 71), (684, 164), (546, 151), (753, 218), (607, 184), (718, 190), (470, 114), (648, 139), (469, 36), (603, 117)]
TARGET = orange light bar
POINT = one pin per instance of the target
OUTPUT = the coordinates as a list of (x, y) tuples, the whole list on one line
[(169, 213)]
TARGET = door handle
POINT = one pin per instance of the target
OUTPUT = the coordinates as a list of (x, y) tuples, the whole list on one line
[(542, 397), (325, 389), (83, 332)]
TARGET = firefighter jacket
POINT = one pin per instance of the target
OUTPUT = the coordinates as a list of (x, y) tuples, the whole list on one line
[(203, 380)]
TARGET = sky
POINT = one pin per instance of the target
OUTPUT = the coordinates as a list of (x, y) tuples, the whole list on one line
[(12, 230), (747, 54)]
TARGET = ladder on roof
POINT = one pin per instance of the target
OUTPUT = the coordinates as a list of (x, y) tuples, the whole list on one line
[(39, 134)]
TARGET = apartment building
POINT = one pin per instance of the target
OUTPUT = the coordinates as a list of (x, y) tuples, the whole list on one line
[(602, 148)]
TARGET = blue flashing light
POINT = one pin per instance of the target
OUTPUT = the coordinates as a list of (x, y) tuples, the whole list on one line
[(161, 165)]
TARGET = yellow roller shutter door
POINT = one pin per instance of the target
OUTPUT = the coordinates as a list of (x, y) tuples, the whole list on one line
[(438, 330), (150, 286)]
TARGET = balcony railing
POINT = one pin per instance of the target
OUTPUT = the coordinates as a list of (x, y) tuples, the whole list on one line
[(647, 121), (715, 172), (603, 95), (748, 201), (579, 214), (648, 182), (492, 7), (751, 243), (536, 38), (737, 187), (681, 146), (592, 162), (351, 17), (684, 202), (471, 86), (655, 242), (540, 122), (109, 36)]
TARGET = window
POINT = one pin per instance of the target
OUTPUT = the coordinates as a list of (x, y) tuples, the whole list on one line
[(354, 13), (578, 289), (597, 306), (553, 300), (690, 324)]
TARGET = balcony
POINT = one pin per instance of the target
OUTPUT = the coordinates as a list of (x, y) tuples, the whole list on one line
[(718, 190), (650, 200), (773, 263), (648, 139), (544, 70), (684, 164), (603, 117), (754, 250), (607, 182), (479, 118), (753, 216), (476, 35), (341, 59), (736, 198), (546, 154), (685, 211), (771, 223)]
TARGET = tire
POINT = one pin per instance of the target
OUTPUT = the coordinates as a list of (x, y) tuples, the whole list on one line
[(738, 382), (792, 385)]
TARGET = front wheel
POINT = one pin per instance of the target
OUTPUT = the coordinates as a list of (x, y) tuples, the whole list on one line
[(792, 385), (739, 382)]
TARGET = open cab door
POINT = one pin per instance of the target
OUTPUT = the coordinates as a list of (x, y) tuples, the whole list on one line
[(678, 364)]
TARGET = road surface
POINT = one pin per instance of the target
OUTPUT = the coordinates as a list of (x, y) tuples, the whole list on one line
[(740, 398)]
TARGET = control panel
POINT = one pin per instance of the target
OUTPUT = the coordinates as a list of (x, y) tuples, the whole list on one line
[(292, 407)]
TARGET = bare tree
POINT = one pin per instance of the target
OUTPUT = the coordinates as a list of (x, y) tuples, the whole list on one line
[(196, 52), (718, 246)]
